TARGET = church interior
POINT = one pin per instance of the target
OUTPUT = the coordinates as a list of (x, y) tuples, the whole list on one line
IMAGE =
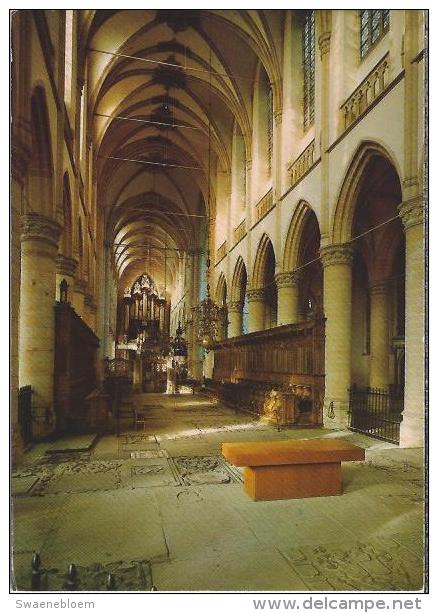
[(217, 252)]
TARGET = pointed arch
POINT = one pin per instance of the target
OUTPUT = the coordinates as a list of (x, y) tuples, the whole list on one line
[(221, 290), (342, 220), (293, 240), (66, 242), (41, 162), (239, 282), (264, 248)]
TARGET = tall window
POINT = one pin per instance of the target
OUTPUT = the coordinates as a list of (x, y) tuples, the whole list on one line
[(270, 103), (309, 68), (68, 66), (374, 23)]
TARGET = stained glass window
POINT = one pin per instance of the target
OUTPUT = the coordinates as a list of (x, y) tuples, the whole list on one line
[(374, 23), (309, 68), (270, 127)]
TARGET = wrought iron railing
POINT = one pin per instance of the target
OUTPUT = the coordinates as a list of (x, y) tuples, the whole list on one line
[(25, 413), (376, 412)]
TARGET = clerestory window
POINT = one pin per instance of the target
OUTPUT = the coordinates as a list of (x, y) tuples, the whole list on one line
[(309, 69), (374, 23)]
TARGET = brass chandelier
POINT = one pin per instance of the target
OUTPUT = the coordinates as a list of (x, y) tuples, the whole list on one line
[(207, 311)]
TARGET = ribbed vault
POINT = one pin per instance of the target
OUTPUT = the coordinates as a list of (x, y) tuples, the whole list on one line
[(165, 88)]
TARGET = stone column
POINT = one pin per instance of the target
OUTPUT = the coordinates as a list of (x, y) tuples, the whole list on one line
[(379, 348), (337, 263), (256, 306), (235, 319), (222, 324), (126, 306), (208, 365), (65, 269), (90, 310), (287, 287), (137, 374), (412, 426), (324, 27), (79, 296), (39, 246)]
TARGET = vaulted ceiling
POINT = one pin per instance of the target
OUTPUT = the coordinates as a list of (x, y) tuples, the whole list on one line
[(165, 88)]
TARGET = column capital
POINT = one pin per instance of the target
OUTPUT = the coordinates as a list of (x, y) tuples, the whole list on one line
[(41, 228), (412, 212), (287, 278), (284, 279), (80, 286), (235, 306), (255, 295), (88, 298), (336, 254), (65, 265), (194, 251), (378, 287), (278, 116), (324, 43)]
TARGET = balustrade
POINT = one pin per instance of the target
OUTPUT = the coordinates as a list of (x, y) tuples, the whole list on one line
[(264, 205), (302, 164), (221, 252), (239, 232), (363, 96)]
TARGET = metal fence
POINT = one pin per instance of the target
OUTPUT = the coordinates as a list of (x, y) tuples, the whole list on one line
[(25, 413), (376, 412)]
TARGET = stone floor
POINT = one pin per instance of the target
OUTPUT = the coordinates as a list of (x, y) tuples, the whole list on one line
[(161, 507)]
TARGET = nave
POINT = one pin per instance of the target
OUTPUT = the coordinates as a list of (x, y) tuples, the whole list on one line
[(160, 507)]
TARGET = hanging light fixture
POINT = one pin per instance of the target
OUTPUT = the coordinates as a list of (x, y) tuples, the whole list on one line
[(208, 313), (179, 345)]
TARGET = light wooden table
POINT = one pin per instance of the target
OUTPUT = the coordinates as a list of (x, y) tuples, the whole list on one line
[(277, 470)]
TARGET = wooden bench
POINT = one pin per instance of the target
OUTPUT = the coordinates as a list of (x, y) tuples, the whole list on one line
[(292, 469)]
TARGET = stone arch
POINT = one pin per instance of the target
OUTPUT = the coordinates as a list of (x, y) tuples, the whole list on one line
[(80, 248), (369, 219), (263, 249), (239, 282), (40, 170), (66, 242), (294, 235), (221, 291), (342, 221)]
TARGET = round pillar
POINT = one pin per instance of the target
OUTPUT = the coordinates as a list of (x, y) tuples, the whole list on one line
[(379, 348), (208, 365), (337, 263), (65, 269), (39, 246), (235, 319), (126, 306), (412, 426), (256, 306), (137, 374), (79, 296), (287, 287)]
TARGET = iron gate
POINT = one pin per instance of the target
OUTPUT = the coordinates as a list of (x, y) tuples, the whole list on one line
[(25, 413), (376, 412)]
